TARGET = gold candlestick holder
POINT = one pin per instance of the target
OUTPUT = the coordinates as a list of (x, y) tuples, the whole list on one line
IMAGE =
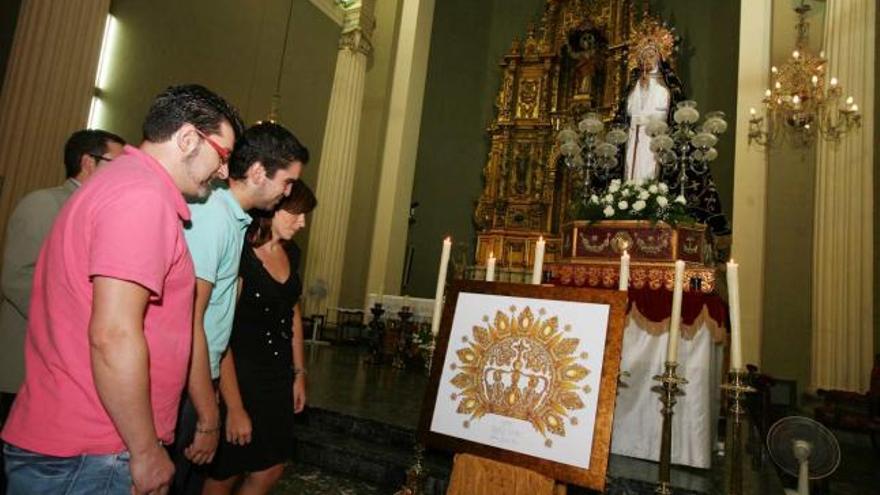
[(668, 388), (415, 475), (736, 388)]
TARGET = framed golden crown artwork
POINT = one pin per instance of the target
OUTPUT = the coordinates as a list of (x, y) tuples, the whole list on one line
[(527, 375)]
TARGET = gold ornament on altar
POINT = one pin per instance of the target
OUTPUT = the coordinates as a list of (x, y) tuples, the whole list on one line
[(650, 37), (571, 61), (522, 367)]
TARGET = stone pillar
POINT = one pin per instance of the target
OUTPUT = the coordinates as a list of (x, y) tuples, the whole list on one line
[(843, 236), (750, 174), (401, 144), (46, 93), (336, 172)]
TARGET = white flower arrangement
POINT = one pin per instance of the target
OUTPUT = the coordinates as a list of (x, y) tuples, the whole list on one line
[(635, 201)]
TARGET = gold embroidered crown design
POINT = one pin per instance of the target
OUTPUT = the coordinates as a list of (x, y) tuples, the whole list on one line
[(520, 367), (650, 34)]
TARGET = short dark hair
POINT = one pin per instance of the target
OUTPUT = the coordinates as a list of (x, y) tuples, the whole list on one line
[(268, 143), (300, 200), (189, 103), (86, 142)]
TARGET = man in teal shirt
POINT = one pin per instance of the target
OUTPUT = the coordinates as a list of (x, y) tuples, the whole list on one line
[(266, 161)]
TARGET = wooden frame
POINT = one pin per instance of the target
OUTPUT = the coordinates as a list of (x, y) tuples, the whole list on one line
[(594, 476)]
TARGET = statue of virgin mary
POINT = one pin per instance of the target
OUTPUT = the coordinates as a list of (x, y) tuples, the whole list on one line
[(652, 90)]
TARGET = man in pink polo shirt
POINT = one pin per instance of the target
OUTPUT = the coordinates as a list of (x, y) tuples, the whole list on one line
[(110, 322)]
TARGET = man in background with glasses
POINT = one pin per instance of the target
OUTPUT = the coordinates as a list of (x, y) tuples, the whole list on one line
[(28, 226)]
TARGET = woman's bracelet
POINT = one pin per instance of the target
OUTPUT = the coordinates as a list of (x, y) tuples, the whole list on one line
[(207, 431), (299, 371)]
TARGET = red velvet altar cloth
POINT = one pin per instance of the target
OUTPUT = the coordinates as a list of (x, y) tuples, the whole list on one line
[(656, 306)]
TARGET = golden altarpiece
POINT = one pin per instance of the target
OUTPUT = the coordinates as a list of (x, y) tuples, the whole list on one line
[(573, 61)]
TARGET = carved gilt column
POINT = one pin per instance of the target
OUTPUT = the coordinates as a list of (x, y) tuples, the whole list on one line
[(336, 173)]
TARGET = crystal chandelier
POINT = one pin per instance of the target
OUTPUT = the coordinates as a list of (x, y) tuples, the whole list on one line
[(590, 152), (802, 103)]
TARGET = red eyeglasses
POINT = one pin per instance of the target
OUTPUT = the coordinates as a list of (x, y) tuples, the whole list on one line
[(222, 151)]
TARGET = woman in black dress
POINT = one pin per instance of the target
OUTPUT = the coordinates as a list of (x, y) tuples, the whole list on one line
[(262, 375)]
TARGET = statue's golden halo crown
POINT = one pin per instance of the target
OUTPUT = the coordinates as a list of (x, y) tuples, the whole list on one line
[(650, 33)]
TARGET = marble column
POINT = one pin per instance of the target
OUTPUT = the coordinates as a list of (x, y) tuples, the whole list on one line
[(49, 83), (398, 164), (750, 174), (335, 184), (843, 254)]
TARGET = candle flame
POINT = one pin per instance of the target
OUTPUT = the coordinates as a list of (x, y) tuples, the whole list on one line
[(491, 254)]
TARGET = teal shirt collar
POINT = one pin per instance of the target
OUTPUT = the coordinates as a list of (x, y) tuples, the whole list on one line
[(233, 205)]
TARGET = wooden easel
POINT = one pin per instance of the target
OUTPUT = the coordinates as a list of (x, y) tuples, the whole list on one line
[(472, 475)]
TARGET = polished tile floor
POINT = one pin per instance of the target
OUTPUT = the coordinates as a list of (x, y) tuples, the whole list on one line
[(340, 380), (308, 480)]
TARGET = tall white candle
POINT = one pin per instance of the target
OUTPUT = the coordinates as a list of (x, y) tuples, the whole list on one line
[(733, 301), (490, 268), (623, 283), (441, 285), (538, 269), (675, 319)]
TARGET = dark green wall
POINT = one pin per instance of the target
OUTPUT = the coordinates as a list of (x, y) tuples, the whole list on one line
[(708, 67), (468, 41), (233, 47)]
